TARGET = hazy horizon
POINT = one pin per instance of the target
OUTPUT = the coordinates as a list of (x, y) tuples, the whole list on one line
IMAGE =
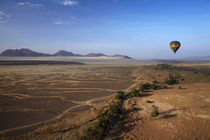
[(138, 28)]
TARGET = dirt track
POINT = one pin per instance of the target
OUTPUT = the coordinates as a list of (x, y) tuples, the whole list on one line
[(79, 104), (55, 91)]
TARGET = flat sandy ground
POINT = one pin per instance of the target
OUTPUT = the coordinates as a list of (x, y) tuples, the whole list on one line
[(60, 101), (34, 95), (184, 108)]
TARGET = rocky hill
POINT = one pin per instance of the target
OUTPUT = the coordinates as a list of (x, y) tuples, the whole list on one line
[(65, 53), (95, 54), (22, 52), (123, 56)]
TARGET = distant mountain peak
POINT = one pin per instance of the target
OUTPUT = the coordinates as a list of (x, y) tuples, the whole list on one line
[(123, 56), (22, 52), (95, 54), (25, 52), (65, 53), (25, 49)]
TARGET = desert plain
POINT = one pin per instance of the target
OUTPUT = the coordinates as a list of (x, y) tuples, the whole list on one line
[(59, 101)]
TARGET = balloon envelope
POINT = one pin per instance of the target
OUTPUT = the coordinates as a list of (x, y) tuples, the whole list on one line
[(175, 45)]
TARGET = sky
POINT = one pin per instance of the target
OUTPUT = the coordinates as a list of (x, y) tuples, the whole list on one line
[(137, 28)]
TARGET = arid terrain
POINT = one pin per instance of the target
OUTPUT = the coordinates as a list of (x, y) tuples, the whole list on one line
[(184, 107), (60, 101), (33, 95)]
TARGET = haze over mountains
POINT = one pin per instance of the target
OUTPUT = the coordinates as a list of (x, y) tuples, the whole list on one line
[(24, 52)]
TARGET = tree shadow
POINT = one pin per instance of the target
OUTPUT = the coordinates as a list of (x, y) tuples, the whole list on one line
[(145, 95), (166, 114), (169, 111), (182, 88), (169, 116), (147, 91), (166, 88)]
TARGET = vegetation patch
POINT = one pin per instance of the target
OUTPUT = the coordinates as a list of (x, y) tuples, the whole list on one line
[(135, 93), (155, 85), (106, 120), (155, 112), (144, 87), (120, 95), (172, 79), (163, 66)]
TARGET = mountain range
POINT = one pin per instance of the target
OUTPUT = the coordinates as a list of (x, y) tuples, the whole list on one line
[(24, 52)]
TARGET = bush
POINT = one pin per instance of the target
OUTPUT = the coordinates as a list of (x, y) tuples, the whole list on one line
[(144, 87), (135, 93), (164, 86), (155, 82), (120, 95), (114, 108), (171, 80), (122, 117), (155, 87), (155, 112)]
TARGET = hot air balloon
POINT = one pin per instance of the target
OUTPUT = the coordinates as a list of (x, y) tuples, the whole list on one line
[(175, 45)]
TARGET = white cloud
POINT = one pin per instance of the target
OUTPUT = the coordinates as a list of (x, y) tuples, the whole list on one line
[(3, 16), (58, 22), (29, 4), (64, 21), (70, 3)]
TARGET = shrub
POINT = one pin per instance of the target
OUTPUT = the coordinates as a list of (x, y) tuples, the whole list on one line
[(154, 86), (144, 87), (122, 117), (120, 95), (171, 80), (180, 87), (155, 112), (135, 93), (164, 86), (115, 108), (155, 82)]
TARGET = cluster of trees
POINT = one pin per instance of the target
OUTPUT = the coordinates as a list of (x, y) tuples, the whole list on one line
[(106, 120), (172, 79)]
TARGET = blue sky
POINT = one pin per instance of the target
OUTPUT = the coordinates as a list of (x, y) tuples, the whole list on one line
[(138, 28)]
